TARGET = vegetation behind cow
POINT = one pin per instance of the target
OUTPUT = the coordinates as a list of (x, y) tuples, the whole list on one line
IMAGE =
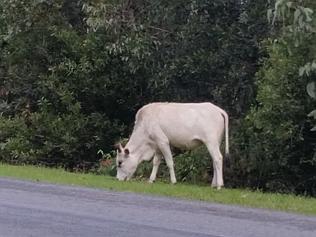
[(74, 73)]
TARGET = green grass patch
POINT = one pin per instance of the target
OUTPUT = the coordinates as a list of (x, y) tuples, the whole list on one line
[(289, 203)]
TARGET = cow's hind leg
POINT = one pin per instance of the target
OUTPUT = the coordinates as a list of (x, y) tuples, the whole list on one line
[(217, 158), (156, 163)]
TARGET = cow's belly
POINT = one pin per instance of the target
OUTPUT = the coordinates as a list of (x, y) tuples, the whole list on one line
[(182, 134), (183, 139), (187, 144)]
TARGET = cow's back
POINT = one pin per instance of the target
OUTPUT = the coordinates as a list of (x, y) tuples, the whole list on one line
[(184, 124)]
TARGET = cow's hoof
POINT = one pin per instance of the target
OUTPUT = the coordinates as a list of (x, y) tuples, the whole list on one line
[(220, 187), (151, 181), (214, 185)]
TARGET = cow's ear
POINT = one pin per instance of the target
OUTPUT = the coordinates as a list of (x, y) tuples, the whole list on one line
[(119, 147), (126, 151)]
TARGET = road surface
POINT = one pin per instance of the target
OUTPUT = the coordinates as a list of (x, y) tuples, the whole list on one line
[(45, 210)]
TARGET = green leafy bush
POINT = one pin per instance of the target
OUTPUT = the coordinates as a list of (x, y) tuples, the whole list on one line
[(69, 140), (191, 167), (274, 147)]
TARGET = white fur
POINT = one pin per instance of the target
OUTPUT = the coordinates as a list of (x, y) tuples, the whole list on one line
[(183, 125)]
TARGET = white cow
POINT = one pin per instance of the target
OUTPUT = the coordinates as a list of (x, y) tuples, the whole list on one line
[(183, 125)]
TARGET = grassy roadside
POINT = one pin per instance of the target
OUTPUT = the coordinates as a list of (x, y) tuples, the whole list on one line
[(289, 203)]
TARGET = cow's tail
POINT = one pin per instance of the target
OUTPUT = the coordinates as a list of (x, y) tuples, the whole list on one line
[(226, 121)]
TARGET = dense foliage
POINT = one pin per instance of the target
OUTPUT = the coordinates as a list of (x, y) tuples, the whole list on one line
[(276, 144), (73, 74)]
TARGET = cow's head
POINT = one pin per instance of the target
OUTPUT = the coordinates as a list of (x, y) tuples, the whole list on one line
[(125, 162)]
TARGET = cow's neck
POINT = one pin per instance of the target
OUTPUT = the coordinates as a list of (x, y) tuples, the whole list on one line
[(139, 146)]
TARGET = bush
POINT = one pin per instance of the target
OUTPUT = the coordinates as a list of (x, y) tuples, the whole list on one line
[(190, 166), (106, 165), (274, 147), (68, 140)]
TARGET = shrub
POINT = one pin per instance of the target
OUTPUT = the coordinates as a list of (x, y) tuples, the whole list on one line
[(274, 147), (68, 140)]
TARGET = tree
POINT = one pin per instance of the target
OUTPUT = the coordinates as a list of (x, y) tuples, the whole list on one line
[(43, 120), (277, 146)]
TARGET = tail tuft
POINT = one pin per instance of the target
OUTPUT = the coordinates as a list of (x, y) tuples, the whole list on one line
[(227, 160)]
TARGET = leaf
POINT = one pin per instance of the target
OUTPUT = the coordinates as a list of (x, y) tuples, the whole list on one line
[(289, 4), (2, 146), (297, 13), (312, 114), (308, 12), (269, 15), (311, 89), (301, 71)]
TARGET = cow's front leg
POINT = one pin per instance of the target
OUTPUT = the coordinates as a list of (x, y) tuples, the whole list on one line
[(170, 165), (156, 163), (166, 152)]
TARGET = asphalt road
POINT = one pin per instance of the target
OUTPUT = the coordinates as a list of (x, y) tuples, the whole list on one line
[(46, 210)]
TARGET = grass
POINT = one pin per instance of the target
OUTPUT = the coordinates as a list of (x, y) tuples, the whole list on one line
[(281, 202)]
